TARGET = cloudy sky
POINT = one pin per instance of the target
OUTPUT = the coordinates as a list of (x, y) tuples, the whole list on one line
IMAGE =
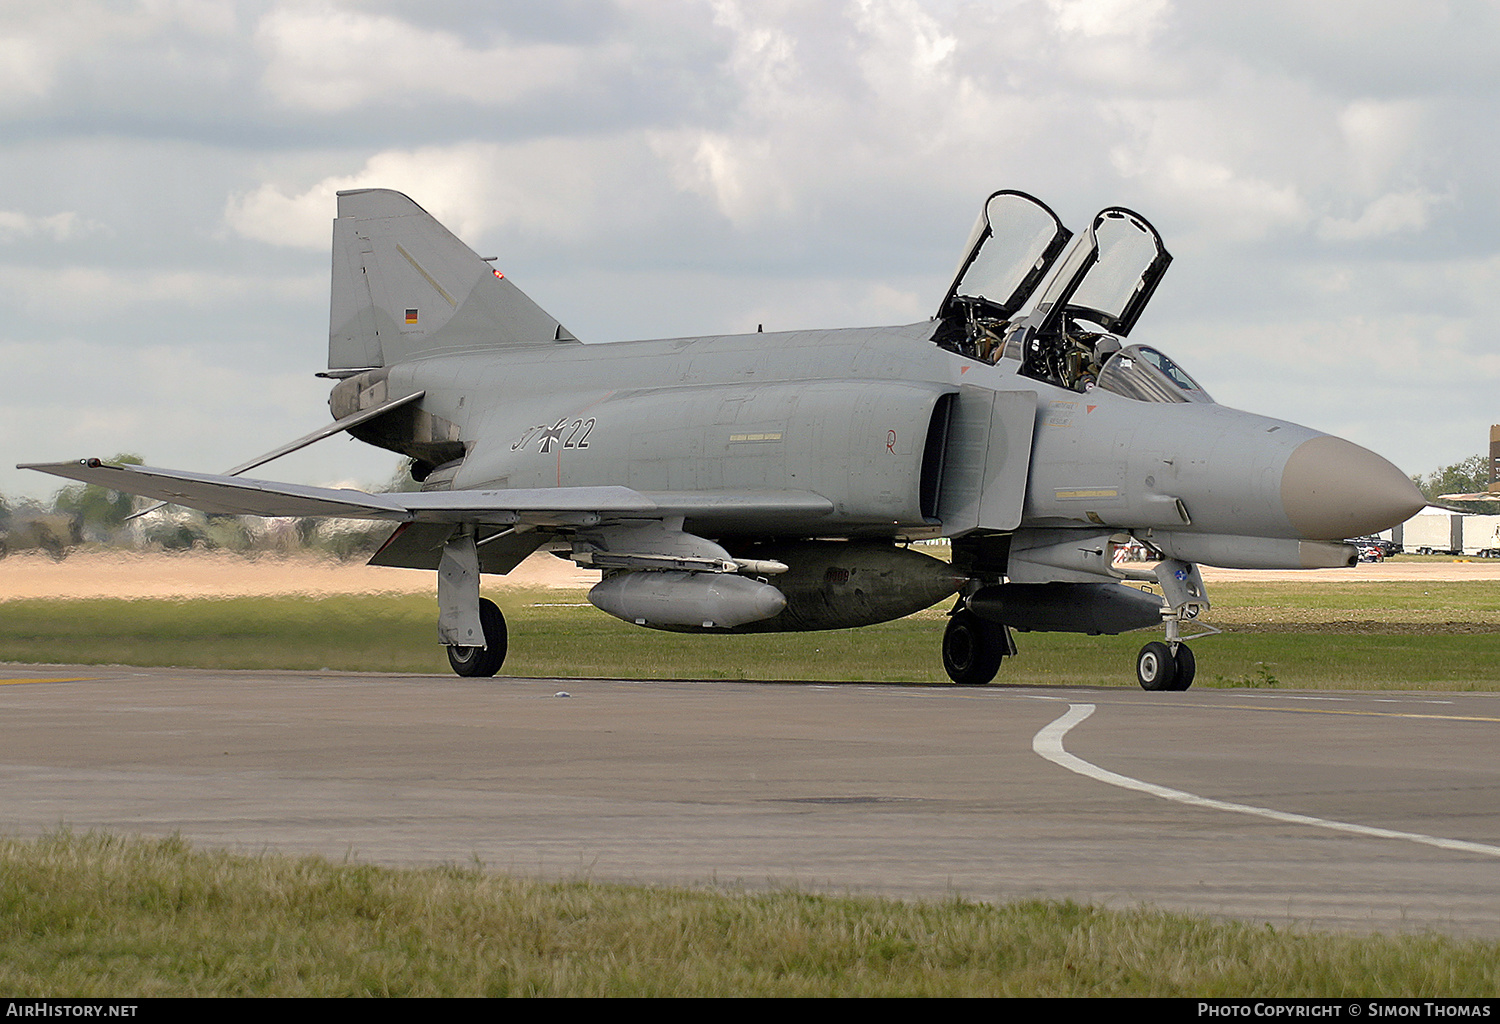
[(1325, 175)]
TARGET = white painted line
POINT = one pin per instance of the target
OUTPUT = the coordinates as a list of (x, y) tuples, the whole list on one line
[(1048, 743), (1350, 700)]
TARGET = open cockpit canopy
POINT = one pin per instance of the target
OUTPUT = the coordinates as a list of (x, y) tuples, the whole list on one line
[(1014, 243), (1021, 292), (1108, 276)]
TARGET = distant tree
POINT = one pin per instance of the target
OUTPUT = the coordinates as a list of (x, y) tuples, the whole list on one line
[(1469, 476), (1466, 477), (401, 480), (98, 509)]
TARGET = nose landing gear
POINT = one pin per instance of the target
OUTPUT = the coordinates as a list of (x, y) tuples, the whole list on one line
[(1158, 667), (1170, 665)]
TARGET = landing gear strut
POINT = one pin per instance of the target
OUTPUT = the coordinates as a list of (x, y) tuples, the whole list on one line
[(471, 627), (973, 648), (1171, 665)]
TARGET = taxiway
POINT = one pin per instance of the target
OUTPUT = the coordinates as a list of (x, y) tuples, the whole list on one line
[(898, 790)]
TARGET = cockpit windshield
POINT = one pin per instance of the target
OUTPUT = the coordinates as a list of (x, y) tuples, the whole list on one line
[(1150, 376)]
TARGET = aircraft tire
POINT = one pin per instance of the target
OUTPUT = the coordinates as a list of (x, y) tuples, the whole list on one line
[(972, 649), (1187, 667), (484, 661), (1155, 668)]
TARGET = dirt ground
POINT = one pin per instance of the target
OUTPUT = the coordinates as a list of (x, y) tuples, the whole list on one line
[(1457, 570), (223, 574), (218, 573)]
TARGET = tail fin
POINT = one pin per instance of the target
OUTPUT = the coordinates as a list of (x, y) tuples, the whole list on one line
[(404, 286)]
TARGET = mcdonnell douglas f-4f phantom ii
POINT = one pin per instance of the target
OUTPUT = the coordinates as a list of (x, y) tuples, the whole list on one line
[(770, 482)]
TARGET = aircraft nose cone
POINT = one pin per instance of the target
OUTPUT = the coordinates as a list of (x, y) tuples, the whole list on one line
[(1333, 489)]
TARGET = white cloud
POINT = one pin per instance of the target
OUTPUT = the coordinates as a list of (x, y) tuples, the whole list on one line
[(661, 302), (79, 294), (28, 67), (326, 59), (1137, 20), (879, 98), (41, 43), (1228, 205), (1394, 213), (904, 46), (1381, 136), (736, 174), (57, 227), (545, 188)]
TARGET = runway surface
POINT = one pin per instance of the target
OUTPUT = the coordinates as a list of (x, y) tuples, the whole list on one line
[(1331, 810)]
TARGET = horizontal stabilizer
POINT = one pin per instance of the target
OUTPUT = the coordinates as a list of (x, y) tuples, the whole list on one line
[(343, 423), (354, 419)]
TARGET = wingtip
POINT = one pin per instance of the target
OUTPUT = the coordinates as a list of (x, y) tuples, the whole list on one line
[(45, 466)]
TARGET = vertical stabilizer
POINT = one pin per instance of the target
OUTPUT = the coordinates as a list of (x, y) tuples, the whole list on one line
[(405, 287)]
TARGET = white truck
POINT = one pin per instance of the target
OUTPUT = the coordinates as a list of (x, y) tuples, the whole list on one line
[(1439, 531)]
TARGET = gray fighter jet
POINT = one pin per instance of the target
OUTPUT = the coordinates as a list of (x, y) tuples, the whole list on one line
[(772, 482)]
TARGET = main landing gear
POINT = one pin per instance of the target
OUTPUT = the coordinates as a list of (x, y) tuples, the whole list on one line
[(482, 661), (471, 627), (973, 648)]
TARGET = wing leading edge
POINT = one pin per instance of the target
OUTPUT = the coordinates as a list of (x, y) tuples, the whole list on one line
[(559, 507)]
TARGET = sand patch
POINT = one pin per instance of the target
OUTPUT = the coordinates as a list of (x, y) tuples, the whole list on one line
[(224, 574), (1365, 572)]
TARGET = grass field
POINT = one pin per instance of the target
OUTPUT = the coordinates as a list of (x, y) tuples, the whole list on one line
[(1428, 635), (99, 916)]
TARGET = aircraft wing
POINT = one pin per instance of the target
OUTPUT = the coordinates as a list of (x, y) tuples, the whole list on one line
[(246, 496), (562, 507), (225, 494)]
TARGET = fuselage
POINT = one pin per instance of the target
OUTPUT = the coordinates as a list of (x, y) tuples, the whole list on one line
[(868, 418)]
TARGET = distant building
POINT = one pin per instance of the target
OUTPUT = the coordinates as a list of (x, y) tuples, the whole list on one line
[(1495, 459)]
